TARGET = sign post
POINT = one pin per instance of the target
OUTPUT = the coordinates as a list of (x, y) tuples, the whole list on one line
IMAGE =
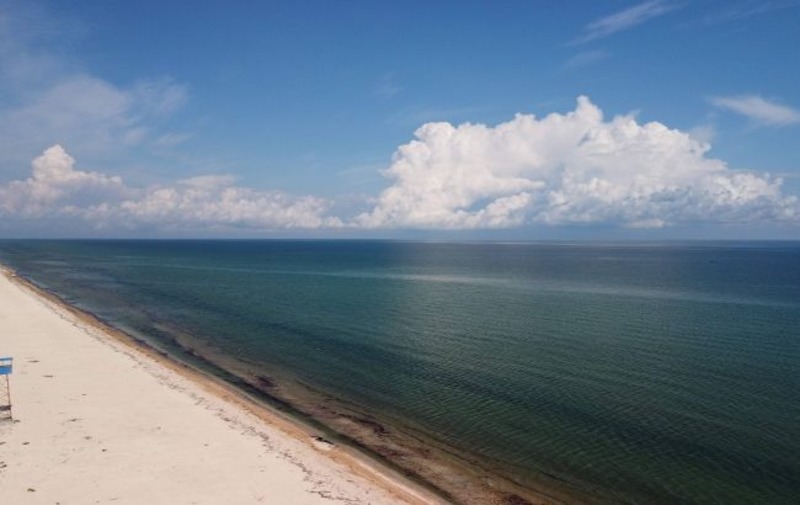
[(5, 388)]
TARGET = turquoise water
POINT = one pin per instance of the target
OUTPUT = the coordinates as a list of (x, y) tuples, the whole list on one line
[(639, 373)]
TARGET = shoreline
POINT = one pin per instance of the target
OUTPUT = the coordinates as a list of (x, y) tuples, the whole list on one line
[(231, 402), (416, 482)]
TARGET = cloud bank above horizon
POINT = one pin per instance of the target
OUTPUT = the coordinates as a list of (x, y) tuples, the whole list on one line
[(568, 169), (575, 168), (57, 190)]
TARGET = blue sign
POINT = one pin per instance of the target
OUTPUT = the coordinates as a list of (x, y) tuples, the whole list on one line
[(5, 366)]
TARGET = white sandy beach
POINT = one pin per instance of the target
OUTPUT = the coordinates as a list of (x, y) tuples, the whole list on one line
[(98, 421)]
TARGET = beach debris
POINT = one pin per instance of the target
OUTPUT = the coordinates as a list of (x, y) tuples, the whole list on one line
[(265, 382), (375, 426), (389, 452), (323, 443), (515, 499)]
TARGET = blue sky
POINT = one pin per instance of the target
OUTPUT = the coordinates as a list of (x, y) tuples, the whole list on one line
[(518, 119)]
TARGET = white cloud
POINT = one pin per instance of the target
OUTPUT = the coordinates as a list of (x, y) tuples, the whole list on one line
[(703, 133), (24, 30), (172, 139), (623, 20), (89, 113), (388, 87), (215, 201), (573, 168), (758, 109), (57, 190), (567, 168), (49, 97), (54, 185), (585, 59), (741, 11), (158, 97)]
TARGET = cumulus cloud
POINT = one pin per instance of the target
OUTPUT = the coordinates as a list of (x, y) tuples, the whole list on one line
[(57, 189), (562, 169), (758, 109), (567, 168), (55, 185), (215, 201), (623, 20)]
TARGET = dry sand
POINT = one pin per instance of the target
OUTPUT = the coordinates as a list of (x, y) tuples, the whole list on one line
[(98, 420)]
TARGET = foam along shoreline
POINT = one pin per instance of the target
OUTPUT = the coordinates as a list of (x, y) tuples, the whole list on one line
[(99, 419)]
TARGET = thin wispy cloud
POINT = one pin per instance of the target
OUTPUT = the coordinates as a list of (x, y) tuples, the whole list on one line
[(49, 96), (745, 10), (585, 59), (623, 20), (172, 139), (758, 110), (703, 133), (388, 87)]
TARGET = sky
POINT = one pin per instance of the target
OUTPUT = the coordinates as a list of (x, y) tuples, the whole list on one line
[(514, 120)]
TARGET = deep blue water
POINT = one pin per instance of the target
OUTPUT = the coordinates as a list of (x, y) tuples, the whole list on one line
[(641, 373)]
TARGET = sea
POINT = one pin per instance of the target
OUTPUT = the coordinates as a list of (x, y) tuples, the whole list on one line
[(629, 372)]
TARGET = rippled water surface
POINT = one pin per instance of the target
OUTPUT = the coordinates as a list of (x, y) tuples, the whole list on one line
[(642, 373)]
